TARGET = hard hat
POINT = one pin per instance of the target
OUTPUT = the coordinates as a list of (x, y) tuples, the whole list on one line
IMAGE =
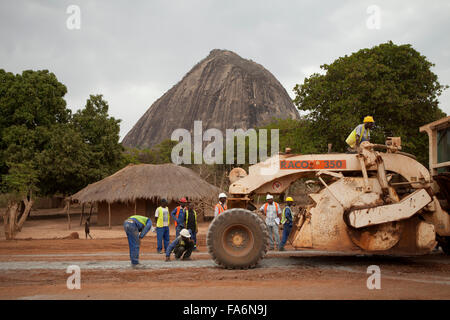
[(222, 195), (185, 233), (163, 200), (183, 200), (368, 119), (269, 197), (289, 199)]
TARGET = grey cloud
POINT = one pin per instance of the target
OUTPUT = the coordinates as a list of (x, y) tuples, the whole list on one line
[(134, 51)]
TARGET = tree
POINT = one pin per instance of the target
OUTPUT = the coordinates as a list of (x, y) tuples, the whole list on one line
[(158, 154), (63, 162), (43, 148), (392, 83), (299, 135), (30, 104), (100, 133), (21, 180)]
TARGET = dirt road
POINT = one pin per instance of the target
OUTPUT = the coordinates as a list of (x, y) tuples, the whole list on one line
[(36, 269)]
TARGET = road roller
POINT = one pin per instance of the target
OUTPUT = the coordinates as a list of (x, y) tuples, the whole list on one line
[(374, 200)]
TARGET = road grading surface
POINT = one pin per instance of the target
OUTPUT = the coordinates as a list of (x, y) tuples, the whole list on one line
[(36, 269)]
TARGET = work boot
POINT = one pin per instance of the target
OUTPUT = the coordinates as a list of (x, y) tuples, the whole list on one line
[(187, 259), (159, 251), (137, 266)]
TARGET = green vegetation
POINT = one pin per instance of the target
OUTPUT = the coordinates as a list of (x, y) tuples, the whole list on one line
[(44, 149), (299, 135), (392, 83), (161, 153)]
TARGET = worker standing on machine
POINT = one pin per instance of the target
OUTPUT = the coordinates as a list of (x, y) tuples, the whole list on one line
[(286, 221), (272, 210), (360, 133), (221, 206)]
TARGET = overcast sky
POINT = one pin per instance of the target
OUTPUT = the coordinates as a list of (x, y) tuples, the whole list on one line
[(132, 52)]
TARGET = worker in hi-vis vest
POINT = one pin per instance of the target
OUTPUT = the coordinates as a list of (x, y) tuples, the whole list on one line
[(182, 246), (272, 210), (162, 226), (133, 225), (221, 206), (188, 220), (286, 222), (360, 133), (176, 213)]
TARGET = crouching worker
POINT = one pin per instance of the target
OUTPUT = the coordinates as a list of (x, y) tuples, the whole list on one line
[(182, 246), (136, 227)]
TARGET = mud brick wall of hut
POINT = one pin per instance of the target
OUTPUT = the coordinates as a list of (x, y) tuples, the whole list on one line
[(122, 210)]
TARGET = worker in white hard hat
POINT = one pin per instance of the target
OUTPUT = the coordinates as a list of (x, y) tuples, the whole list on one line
[(222, 205), (272, 211), (182, 246)]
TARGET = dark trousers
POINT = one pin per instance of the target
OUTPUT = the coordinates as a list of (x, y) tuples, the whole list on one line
[(162, 233), (286, 231), (178, 228), (133, 240), (193, 237), (186, 250)]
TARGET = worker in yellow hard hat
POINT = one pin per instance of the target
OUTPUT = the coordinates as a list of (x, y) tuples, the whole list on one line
[(286, 222), (360, 133)]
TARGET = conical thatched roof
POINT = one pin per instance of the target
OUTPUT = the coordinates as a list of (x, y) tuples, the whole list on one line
[(148, 181)]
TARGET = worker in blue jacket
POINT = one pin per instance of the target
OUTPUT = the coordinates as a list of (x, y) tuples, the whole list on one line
[(188, 219), (136, 227), (286, 221), (182, 246), (176, 213)]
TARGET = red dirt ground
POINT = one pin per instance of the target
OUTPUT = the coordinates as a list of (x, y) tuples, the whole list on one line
[(313, 277)]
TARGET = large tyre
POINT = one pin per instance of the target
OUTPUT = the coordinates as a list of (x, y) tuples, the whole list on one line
[(237, 239)]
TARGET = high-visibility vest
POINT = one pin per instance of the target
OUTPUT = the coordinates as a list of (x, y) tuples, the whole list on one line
[(160, 221), (177, 214), (221, 208), (267, 204), (351, 139), (187, 215), (283, 216), (141, 219)]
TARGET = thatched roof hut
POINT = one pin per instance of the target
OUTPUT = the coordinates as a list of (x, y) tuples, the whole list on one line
[(138, 189)]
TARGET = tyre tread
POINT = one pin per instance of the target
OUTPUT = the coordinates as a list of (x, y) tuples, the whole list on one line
[(229, 214)]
